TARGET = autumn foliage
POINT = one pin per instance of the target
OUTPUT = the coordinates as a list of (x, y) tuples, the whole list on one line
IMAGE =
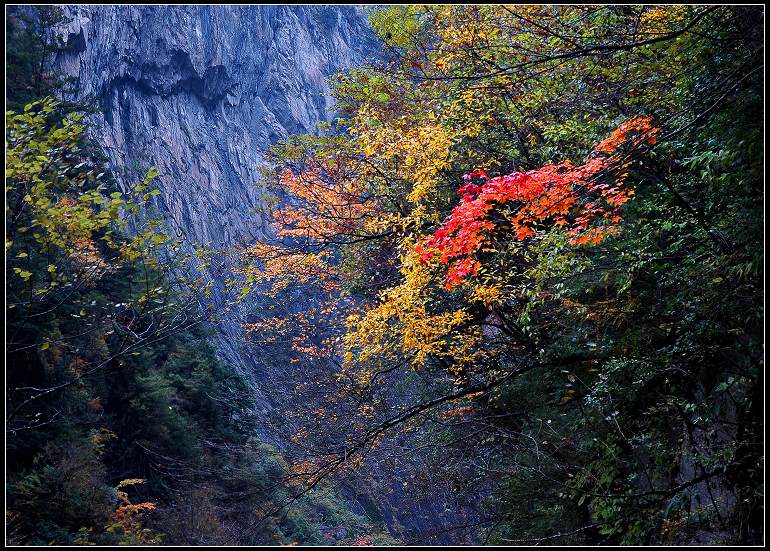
[(325, 204), (586, 198), (504, 314)]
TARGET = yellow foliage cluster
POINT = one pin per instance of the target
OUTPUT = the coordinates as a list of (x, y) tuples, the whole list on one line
[(657, 20), (416, 151), (403, 322)]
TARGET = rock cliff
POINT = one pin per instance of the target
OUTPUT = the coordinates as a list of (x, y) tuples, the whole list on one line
[(201, 92)]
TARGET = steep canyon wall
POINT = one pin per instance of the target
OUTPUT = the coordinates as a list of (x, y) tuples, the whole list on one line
[(200, 92)]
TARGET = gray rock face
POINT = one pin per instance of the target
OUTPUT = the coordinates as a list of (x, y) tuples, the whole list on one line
[(201, 92)]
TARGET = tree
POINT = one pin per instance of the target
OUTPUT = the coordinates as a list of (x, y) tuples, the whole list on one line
[(556, 326)]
